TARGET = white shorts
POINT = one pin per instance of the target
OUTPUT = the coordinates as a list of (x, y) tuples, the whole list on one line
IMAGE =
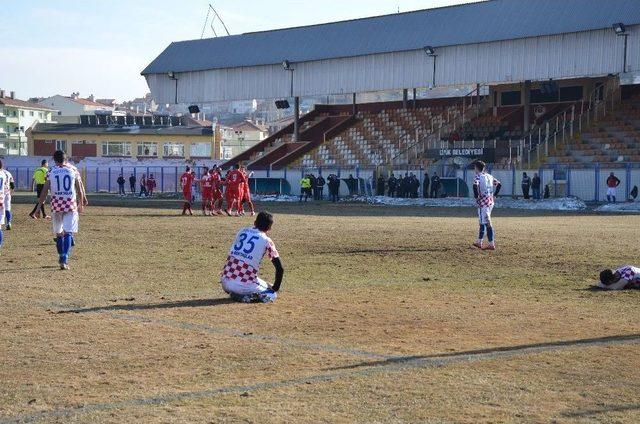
[(484, 214), (2, 215), (611, 191), (234, 287), (65, 221), (7, 202)]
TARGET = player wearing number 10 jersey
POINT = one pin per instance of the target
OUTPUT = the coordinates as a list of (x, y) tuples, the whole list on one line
[(240, 274), (67, 199)]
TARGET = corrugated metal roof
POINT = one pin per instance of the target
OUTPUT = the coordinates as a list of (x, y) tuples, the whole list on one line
[(120, 129), (454, 25)]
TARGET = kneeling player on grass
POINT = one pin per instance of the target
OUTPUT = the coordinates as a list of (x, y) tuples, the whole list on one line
[(240, 274), (67, 199), (627, 277), (485, 187)]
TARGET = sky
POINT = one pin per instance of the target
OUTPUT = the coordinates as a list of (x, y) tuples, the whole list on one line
[(100, 47)]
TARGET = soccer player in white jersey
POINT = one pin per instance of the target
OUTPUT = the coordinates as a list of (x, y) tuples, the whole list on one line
[(67, 200), (627, 277), (7, 187), (240, 274), (2, 200), (485, 187)]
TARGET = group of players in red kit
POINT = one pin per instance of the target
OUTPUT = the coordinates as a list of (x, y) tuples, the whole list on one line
[(234, 188)]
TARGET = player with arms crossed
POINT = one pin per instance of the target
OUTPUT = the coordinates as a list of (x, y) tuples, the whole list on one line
[(235, 182), (485, 188), (627, 277), (217, 185), (67, 200), (186, 181), (245, 195), (206, 188), (8, 185), (240, 274)]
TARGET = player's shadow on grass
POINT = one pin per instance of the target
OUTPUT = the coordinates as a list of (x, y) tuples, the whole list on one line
[(195, 303), (494, 352), (603, 410)]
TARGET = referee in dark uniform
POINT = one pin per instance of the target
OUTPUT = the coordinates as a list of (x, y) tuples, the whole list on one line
[(39, 178)]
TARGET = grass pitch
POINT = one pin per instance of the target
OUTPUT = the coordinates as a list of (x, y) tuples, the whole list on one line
[(386, 315)]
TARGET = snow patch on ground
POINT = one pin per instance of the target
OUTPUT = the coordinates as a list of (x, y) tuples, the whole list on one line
[(560, 204), (629, 207)]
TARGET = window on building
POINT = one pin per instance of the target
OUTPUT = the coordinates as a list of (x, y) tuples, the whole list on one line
[(40, 115), (61, 145), (173, 149), (14, 114), (200, 150), (511, 98), (147, 149), (21, 113), (543, 96), (571, 94), (116, 148), (31, 113)]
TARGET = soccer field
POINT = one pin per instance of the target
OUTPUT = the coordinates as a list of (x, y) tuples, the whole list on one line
[(386, 315)]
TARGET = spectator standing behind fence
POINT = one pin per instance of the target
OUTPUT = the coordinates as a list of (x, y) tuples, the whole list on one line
[(121, 182), (352, 185), (526, 185), (425, 185), (320, 183), (143, 186), (393, 184), (334, 187), (380, 186), (132, 184), (151, 185), (612, 187), (37, 183), (435, 185), (415, 186), (535, 186), (312, 190)]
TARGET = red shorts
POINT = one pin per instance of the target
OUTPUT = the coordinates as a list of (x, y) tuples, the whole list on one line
[(207, 194), (217, 194), (246, 196), (233, 194), (187, 195)]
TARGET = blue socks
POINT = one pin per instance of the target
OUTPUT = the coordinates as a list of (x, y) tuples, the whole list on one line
[(63, 245), (490, 233), (1, 236), (481, 232), (8, 216)]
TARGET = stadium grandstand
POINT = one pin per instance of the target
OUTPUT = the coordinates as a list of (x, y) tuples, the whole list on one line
[(542, 72)]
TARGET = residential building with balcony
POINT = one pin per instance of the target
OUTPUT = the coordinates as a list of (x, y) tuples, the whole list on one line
[(16, 117)]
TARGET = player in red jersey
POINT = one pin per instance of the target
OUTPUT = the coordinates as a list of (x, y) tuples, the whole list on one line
[(235, 181), (186, 180), (218, 185), (206, 188), (245, 195)]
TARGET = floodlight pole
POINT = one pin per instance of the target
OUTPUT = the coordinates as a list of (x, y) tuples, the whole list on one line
[(435, 57), (626, 43), (296, 105)]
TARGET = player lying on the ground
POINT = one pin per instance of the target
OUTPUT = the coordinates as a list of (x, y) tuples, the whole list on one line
[(485, 187), (627, 277), (67, 199), (240, 274)]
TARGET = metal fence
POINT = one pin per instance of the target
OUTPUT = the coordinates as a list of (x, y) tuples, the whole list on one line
[(587, 183)]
